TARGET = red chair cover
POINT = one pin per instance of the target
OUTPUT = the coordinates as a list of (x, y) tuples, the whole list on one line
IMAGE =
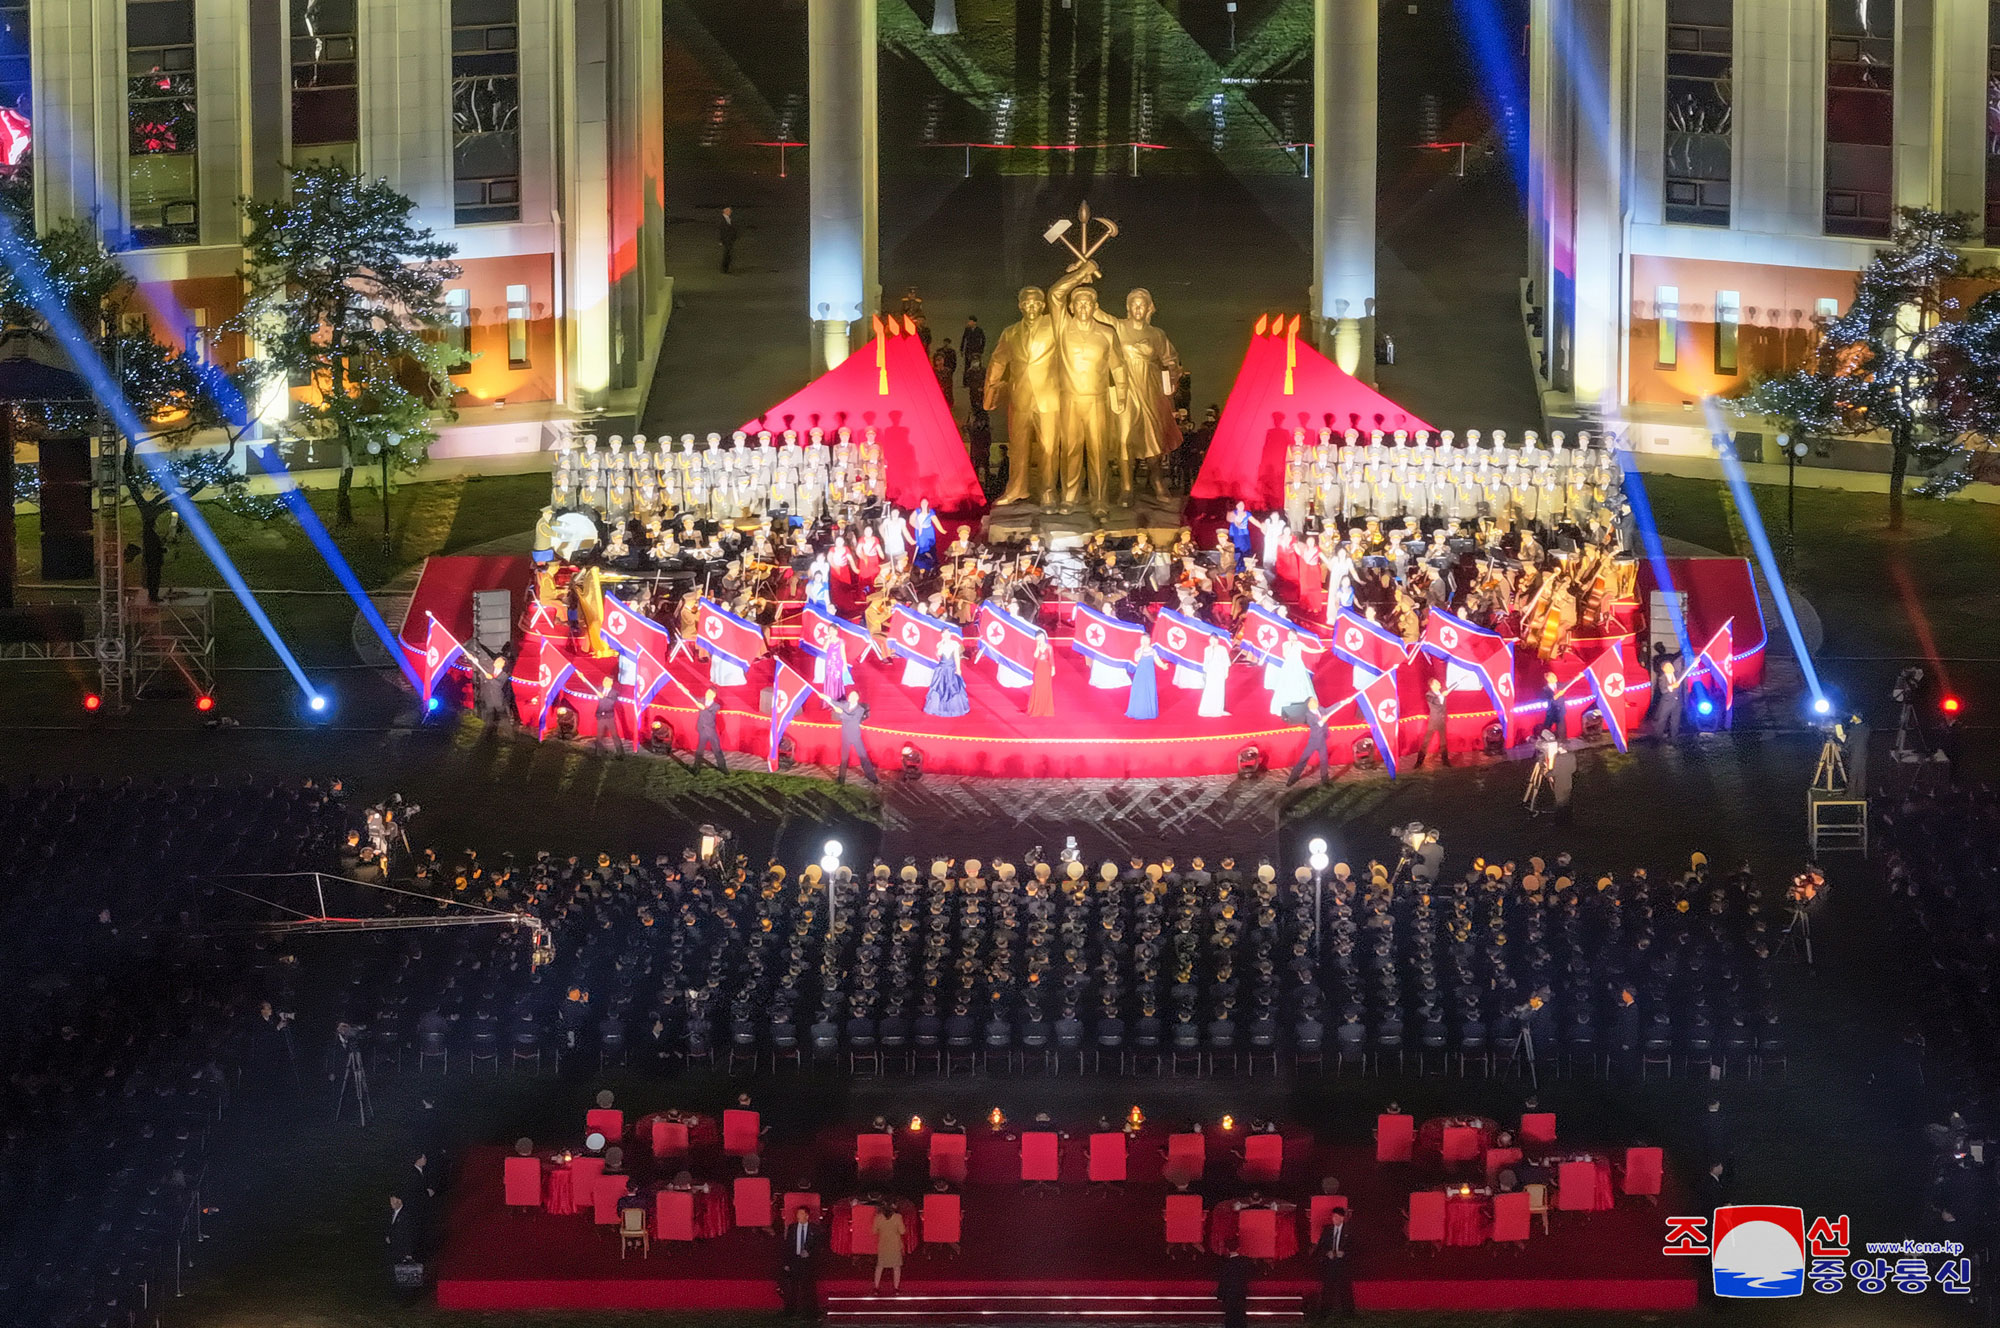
[(948, 1158), (608, 1121), (1395, 1138), (861, 1225), (1257, 1233), (753, 1201), (1323, 1207), (523, 1178), (1263, 1157), (670, 1139), (943, 1216), (586, 1170), (874, 1154), (1426, 1215), (605, 1193), (1038, 1156), (1187, 1153), (674, 1215), (1461, 1144), (739, 1132), (1184, 1219), (1497, 1158), (1642, 1171), (1510, 1216), (1538, 1127), (1576, 1187), (1107, 1156), (795, 1200)]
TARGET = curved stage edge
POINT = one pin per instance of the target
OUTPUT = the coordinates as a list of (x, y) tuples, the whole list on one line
[(1089, 737)]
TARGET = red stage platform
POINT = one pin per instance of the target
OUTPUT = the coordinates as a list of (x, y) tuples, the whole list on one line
[(1089, 736), (1108, 1246)]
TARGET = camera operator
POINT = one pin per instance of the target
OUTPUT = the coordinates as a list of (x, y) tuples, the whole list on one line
[(1906, 693), (1554, 770)]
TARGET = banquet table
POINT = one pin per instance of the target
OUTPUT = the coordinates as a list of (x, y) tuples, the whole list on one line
[(1222, 1226), (1468, 1218), (1602, 1198), (840, 1226), (558, 1190), (712, 1212), (1430, 1135)]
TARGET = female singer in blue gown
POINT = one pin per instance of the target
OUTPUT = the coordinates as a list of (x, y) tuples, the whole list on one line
[(946, 697), (1145, 700)]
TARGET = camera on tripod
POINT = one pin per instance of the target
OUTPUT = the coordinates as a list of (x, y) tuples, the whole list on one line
[(1908, 685)]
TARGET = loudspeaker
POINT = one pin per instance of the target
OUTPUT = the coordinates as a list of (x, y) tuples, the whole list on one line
[(67, 554)]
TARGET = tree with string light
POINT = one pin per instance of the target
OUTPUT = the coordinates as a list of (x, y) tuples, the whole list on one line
[(190, 412), (1907, 360), (347, 298)]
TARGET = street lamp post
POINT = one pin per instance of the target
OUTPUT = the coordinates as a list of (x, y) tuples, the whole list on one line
[(828, 865), (1230, 9), (1318, 862), (1795, 451)]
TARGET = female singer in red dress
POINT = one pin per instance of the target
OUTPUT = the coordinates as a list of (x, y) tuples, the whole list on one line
[(1042, 692), (868, 559)]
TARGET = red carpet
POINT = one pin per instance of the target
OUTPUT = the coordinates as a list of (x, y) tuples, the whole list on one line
[(1089, 736), (1073, 1243)]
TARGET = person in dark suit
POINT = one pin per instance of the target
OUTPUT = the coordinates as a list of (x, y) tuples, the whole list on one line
[(799, 1275), (1232, 1288), (1314, 719), (401, 1237), (1336, 1283), (708, 732), (607, 721), (726, 235), (853, 713)]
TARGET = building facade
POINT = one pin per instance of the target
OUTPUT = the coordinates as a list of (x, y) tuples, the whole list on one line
[(528, 133), (1707, 176)]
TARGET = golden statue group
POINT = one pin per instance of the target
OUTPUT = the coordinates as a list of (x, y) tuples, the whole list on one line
[(1085, 392)]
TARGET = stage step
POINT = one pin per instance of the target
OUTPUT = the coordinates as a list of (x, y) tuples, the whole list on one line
[(915, 1308)]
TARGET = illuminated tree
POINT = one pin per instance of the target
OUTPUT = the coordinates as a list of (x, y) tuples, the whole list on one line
[(347, 300), (1906, 360)]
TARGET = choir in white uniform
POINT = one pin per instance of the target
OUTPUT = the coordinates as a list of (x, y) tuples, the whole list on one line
[(744, 479)]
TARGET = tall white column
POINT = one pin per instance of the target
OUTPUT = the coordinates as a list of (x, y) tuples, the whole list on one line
[(1594, 46), (1345, 36), (843, 285)]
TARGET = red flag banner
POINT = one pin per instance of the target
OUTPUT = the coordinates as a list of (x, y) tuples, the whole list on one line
[(1007, 640), (539, 675), (641, 640), (1103, 639), (1607, 683), (789, 691), (1265, 634), (737, 640), (1367, 644), (916, 635), (1488, 654), (1384, 713), (1719, 658)]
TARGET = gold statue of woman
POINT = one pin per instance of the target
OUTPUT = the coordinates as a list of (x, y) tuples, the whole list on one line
[(1146, 426)]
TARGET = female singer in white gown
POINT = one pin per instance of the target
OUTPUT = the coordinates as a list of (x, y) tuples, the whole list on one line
[(1214, 678)]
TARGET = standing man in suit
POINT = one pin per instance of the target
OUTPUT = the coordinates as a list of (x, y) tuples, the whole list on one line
[(1232, 1288), (726, 234), (799, 1284), (1435, 709), (402, 1234), (708, 732), (1314, 719), (607, 721), (1669, 699), (853, 713), (1336, 1284)]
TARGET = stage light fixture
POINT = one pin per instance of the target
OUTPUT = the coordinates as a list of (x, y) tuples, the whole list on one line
[(1249, 762), (913, 763), (1494, 740), (204, 703), (1822, 706), (1365, 755), (1593, 722), (1950, 705), (92, 701), (431, 706), (317, 704), (1705, 707)]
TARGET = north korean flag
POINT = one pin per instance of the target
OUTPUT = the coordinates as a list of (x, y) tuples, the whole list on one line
[(1367, 644), (1265, 634), (1607, 683), (822, 624), (1488, 654), (539, 675), (1384, 713), (1103, 639), (916, 635), (789, 691), (735, 639), (440, 651), (1719, 658), (1183, 640), (643, 641), (1007, 640)]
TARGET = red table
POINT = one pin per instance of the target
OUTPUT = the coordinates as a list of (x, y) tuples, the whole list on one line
[(1430, 1136), (1468, 1218), (559, 1191), (1222, 1226), (840, 1226)]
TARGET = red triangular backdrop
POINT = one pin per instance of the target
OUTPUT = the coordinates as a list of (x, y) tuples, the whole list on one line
[(1246, 458), (923, 454)]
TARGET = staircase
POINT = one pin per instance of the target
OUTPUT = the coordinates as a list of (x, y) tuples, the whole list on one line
[(912, 1307)]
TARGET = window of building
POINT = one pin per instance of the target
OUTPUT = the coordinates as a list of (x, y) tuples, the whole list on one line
[(1993, 122), (1826, 308), (1667, 309), (517, 327), (486, 110), (1860, 116), (17, 111), (326, 95), (1700, 51), (160, 194), (1728, 318), (197, 336), (458, 328)]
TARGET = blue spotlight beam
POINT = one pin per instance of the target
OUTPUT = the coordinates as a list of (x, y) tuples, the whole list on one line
[(1753, 524), (302, 512), (83, 354), (1499, 77), (1656, 553)]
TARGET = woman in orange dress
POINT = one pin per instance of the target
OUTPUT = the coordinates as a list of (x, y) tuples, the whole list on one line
[(1042, 693)]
